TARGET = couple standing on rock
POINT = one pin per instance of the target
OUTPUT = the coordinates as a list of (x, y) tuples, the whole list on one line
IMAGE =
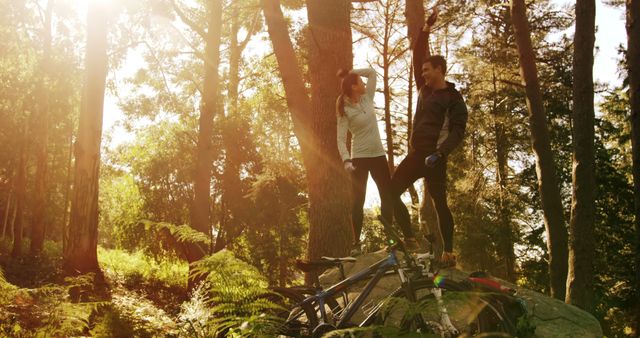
[(438, 127)]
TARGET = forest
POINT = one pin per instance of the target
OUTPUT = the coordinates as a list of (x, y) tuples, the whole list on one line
[(163, 163)]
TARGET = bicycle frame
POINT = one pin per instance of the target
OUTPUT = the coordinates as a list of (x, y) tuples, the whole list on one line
[(378, 270)]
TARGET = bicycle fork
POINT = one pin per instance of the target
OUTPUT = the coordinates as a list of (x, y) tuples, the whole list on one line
[(445, 321)]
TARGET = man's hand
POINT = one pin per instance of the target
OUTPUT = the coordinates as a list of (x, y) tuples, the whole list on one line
[(349, 167), (432, 159), (431, 20)]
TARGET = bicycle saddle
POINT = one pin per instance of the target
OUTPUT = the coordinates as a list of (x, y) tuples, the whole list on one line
[(323, 263)]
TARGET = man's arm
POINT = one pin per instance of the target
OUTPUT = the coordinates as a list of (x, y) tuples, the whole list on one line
[(420, 53), (421, 49), (457, 125)]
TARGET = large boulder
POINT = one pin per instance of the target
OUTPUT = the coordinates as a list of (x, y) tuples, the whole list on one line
[(549, 316)]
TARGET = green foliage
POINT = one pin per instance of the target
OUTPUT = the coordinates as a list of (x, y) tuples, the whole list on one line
[(133, 311), (195, 314), (111, 323), (276, 234), (25, 67), (614, 231), (235, 293), (47, 310), (137, 267), (159, 162), (525, 327), (121, 208), (33, 271)]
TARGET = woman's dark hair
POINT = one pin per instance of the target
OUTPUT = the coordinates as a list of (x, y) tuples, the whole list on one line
[(346, 86)]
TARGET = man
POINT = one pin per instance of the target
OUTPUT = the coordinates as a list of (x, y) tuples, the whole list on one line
[(438, 128)]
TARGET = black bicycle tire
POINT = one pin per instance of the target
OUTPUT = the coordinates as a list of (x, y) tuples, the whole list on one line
[(483, 319), (288, 299)]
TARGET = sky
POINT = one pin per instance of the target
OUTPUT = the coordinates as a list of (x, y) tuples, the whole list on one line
[(610, 34)]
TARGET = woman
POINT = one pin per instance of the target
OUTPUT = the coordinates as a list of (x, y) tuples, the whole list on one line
[(356, 113)]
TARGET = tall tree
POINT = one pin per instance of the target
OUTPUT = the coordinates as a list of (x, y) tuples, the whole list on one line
[(314, 118), (42, 137), (505, 241), (329, 43), (18, 218), (545, 166), (201, 208), (235, 126), (80, 249), (633, 62), (581, 239)]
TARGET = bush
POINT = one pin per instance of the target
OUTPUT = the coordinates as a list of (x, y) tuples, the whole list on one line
[(138, 268)]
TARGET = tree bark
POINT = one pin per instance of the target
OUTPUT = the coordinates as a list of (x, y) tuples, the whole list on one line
[(234, 124), (8, 206), (633, 62), (581, 240), (21, 191), (429, 222), (314, 120), (545, 167), (505, 236), (40, 193), (80, 251), (67, 187), (414, 12), (386, 89), (329, 41), (201, 207)]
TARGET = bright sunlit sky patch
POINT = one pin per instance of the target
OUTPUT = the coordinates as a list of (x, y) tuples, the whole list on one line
[(611, 34)]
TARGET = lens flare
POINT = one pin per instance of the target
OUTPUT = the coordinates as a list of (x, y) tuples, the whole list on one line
[(439, 281)]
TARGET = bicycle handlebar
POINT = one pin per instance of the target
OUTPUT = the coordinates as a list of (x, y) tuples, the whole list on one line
[(395, 241)]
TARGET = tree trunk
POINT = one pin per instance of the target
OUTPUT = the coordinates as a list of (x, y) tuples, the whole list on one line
[(386, 89), (414, 12), (545, 167), (329, 41), (330, 49), (67, 188), (40, 193), (21, 191), (201, 207), (633, 62), (8, 206), (234, 125), (505, 236), (387, 115), (429, 222), (80, 251), (581, 239)]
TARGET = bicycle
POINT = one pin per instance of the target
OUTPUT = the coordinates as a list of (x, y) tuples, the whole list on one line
[(310, 318)]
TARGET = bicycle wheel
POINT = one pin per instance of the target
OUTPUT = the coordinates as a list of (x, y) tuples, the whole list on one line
[(298, 320), (471, 313)]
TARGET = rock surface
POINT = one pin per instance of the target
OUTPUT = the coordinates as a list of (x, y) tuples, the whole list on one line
[(549, 316)]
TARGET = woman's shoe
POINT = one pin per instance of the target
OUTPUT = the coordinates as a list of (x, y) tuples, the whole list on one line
[(448, 260)]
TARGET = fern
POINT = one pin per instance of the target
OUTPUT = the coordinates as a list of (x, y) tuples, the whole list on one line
[(236, 296), (4, 285)]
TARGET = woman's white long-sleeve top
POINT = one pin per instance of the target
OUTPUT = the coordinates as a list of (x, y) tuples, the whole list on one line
[(360, 119)]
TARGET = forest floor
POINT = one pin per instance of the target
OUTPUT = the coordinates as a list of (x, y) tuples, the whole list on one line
[(143, 297)]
